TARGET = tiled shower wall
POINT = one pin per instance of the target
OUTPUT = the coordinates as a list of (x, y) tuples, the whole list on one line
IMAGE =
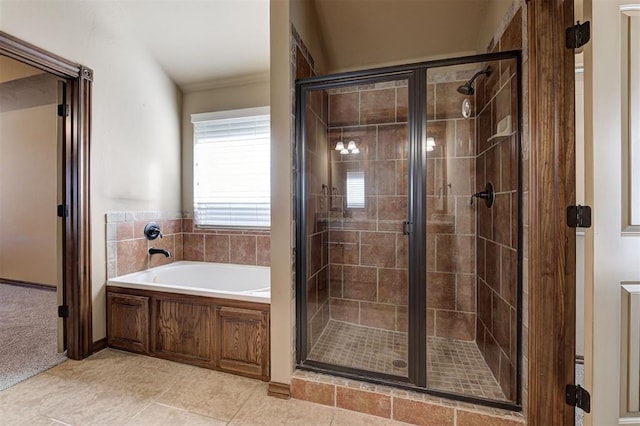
[(127, 247), (451, 221), (317, 152), (367, 250), (498, 227)]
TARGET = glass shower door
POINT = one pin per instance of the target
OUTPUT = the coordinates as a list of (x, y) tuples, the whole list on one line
[(472, 229), (356, 185)]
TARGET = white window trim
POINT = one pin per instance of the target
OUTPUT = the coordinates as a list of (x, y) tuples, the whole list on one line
[(234, 113)]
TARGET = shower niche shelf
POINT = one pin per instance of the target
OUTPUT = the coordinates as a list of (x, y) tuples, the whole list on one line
[(500, 136), (503, 129)]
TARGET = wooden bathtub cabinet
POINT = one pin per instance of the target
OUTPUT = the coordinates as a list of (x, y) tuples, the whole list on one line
[(221, 334)]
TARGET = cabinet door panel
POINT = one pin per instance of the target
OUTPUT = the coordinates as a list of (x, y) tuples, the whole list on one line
[(243, 341), (128, 325), (183, 329)]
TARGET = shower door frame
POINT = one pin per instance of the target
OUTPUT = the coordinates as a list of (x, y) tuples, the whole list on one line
[(416, 74)]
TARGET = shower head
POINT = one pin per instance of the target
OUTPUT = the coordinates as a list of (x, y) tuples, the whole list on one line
[(467, 88)]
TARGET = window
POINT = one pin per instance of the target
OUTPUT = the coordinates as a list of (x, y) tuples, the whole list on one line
[(231, 168), (355, 190)]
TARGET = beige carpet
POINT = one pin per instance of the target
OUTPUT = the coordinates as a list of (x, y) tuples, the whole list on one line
[(27, 333)]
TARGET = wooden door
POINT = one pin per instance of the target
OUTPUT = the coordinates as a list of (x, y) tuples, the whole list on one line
[(613, 243)]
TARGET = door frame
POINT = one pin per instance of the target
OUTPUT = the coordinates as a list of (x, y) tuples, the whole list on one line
[(552, 264), (76, 225)]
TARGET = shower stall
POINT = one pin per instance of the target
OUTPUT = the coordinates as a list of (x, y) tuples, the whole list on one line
[(408, 227)]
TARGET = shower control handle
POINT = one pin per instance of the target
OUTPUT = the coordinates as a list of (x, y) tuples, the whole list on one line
[(487, 195)]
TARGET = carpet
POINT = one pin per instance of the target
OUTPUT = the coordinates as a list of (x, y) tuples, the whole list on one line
[(28, 336), (579, 381)]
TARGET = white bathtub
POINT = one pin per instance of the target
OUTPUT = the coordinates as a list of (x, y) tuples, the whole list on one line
[(228, 281)]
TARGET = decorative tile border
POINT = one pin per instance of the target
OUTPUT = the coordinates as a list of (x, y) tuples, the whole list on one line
[(396, 404)]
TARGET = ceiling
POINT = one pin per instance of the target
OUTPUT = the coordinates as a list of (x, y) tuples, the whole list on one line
[(206, 43), (361, 33), (198, 42)]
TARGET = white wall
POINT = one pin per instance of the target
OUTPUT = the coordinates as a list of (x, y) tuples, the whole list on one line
[(28, 194), (135, 142), (283, 14), (236, 96), (305, 19), (492, 19), (282, 311)]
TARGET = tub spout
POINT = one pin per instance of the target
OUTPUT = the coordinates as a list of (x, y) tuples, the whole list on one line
[(153, 251)]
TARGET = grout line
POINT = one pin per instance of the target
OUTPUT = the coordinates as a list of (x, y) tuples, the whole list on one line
[(57, 421), (139, 412), (242, 406)]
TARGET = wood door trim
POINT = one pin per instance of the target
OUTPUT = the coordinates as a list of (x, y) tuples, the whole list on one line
[(77, 225), (552, 188)]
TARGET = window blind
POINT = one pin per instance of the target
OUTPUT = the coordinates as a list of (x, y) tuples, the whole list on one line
[(232, 170), (355, 190)]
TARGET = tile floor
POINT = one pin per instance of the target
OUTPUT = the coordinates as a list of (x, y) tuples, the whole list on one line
[(119, 388), (453, 365)]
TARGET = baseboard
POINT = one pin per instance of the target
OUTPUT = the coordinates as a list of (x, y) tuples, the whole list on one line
[(99, 345), (28, 284), (279, 390)]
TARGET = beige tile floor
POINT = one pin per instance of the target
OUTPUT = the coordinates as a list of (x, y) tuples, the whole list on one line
[(119, 388)]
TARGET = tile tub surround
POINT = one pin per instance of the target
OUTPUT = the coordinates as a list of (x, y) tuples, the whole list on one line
[(395, 404), (127, 247), (117, 388), (220, 245)]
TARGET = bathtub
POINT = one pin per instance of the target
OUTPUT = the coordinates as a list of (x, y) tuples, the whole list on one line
[(221, 280), (211, 315)]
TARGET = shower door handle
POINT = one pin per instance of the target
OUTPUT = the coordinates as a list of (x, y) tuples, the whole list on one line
[(406, 227)]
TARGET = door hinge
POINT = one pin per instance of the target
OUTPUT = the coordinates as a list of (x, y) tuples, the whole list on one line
[(579, 216), (577, 396), (63, 210), (63, 311), (63, 110), (578, 35), (407, 227)]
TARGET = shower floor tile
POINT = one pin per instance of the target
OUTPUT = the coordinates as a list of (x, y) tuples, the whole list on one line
[(361, 347), (452, 365)]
